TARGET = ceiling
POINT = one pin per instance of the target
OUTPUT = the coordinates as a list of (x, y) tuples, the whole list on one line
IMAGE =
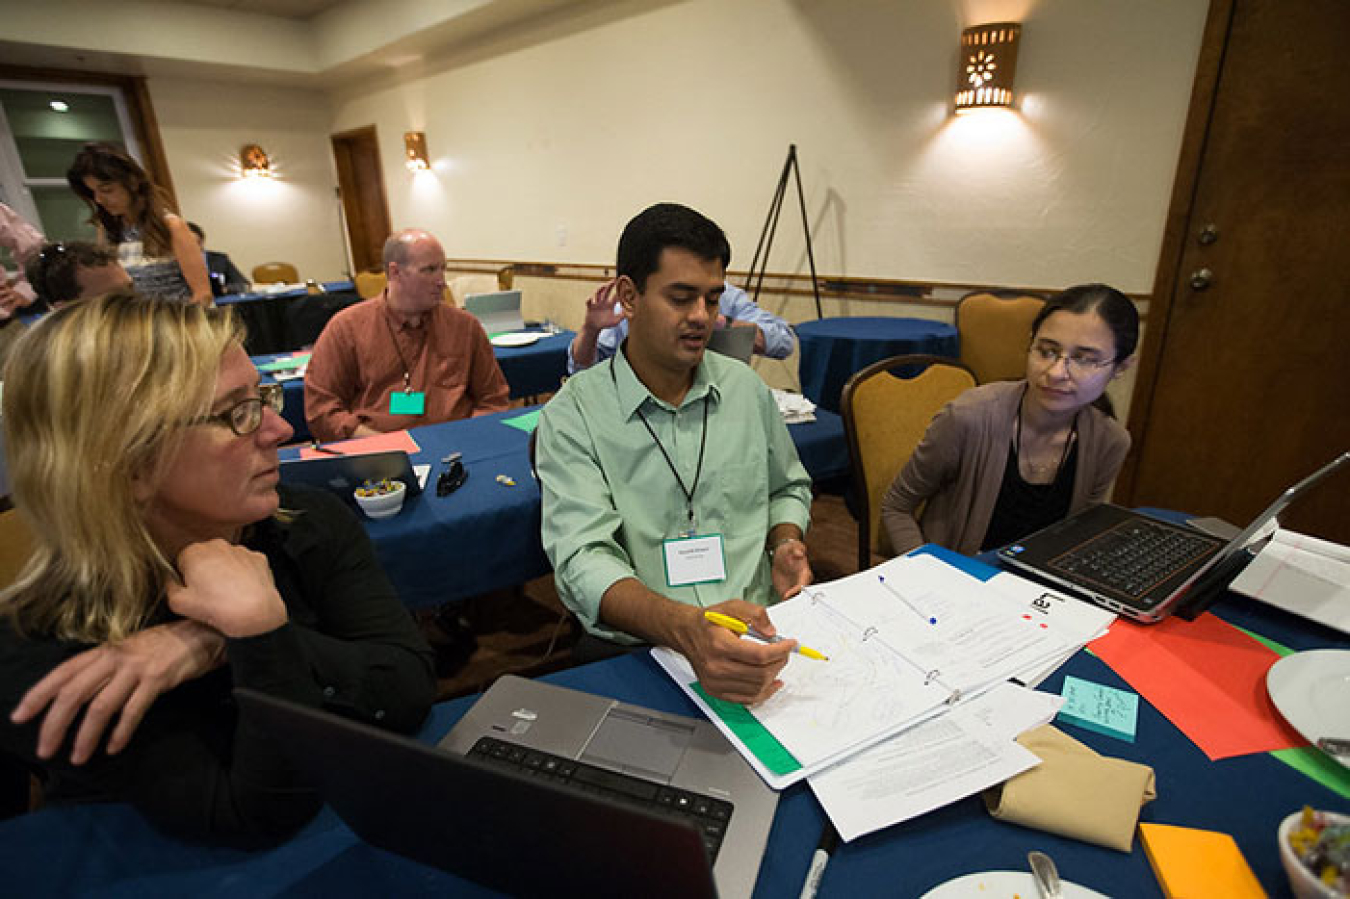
[(284, 9)]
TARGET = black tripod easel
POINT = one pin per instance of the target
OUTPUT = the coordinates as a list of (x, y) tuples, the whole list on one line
[(757, 271)]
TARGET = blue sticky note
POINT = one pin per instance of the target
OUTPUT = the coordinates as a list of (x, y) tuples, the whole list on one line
[(1099, 708)]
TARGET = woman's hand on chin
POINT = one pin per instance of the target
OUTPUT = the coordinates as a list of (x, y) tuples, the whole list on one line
[(227, 587)]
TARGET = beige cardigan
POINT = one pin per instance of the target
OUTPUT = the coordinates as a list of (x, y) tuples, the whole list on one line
[(958, 469)]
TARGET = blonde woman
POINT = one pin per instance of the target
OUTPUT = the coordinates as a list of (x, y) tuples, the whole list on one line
[(134, 214), (142, 451)]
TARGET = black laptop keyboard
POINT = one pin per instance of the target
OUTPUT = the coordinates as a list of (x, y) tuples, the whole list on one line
[(710, 815), (1133, 557)]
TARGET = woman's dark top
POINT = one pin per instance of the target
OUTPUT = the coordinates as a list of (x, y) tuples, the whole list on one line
[(197, 767), (1024, 508)]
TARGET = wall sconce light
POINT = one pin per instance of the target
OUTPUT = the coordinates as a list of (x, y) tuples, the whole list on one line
[(984, 76), (415, 149), (253, 162)]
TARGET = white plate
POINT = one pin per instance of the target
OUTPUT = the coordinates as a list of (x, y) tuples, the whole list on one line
[(1312, 691), (516, 338), (1002, 885)]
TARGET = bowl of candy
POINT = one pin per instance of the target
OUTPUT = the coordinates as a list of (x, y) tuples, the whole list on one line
[(381, 499), (1315, 851)]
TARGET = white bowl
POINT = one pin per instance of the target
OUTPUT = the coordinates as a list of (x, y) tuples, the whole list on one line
[(386, 505), (1301, 880)]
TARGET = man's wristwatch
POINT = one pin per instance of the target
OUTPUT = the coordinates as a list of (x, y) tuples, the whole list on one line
[(773, 549)]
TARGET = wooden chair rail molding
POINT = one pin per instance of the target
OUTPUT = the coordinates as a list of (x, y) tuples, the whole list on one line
[(916, 293)]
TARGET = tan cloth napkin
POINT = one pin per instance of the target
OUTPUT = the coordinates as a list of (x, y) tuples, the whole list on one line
[(1074, 792)]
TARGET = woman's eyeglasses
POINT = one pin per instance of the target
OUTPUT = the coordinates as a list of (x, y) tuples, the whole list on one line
[(245, 416), (1076, 363)]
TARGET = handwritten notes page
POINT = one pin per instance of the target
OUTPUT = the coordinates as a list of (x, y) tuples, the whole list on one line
[(938, 762), (905, 640)]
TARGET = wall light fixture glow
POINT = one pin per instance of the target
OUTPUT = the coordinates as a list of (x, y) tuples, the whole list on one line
[(988, 62), (254, 163), (59, 106), (415, 150)]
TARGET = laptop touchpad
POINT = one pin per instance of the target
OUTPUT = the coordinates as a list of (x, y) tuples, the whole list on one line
[(638, 744)]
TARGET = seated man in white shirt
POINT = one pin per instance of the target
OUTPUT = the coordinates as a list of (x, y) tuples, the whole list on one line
[(605, 327)]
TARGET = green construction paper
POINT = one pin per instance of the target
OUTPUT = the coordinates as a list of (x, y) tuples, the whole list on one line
[(1319, 766), (756, 737), (287, 363), (526, 421), (1278, 648)]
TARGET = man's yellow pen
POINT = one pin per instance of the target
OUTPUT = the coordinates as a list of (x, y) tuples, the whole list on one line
[(738, 626)]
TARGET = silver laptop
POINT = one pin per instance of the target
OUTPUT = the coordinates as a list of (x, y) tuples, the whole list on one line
[(738, 343), (519, 833), (498, 312), (1144, 568), (687, 754)]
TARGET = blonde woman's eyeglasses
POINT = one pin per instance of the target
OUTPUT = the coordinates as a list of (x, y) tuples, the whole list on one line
[(245, 416)]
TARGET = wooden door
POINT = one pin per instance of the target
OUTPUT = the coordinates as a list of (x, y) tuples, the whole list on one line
[(1244, 385), (361, 187)]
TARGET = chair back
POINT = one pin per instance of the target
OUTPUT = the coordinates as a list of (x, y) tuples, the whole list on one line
[(471, 285), (994, 328), (885, 417), (370, 284), (16, 545), (276, 273)]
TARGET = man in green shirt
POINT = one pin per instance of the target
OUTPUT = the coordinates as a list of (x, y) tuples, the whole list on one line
[(670, 484)]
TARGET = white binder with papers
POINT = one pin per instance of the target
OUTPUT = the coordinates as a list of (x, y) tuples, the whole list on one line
[(905, 640)]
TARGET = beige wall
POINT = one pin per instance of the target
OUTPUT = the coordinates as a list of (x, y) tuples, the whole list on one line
[(291, 218), (545, 141)]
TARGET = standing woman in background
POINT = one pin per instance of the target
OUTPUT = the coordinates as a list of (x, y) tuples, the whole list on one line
[(135, 215)]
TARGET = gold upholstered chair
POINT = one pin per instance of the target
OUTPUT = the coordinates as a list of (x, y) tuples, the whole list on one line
[(276, 273), (885, 417), (995, 328)]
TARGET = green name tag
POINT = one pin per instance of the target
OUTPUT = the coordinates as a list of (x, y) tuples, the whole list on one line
[(414, 403)]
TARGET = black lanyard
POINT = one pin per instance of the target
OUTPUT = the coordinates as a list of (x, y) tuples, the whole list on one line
[(702, 445), (407, 369)]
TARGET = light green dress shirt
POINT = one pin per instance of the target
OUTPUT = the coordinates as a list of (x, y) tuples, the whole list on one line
[(610, 498)]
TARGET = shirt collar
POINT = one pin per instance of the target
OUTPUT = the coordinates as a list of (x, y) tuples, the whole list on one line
[(633, 393), (397, 321)]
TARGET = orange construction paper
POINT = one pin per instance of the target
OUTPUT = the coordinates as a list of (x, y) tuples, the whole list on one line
[(362, 446), (1207, 677), (1192, 863)]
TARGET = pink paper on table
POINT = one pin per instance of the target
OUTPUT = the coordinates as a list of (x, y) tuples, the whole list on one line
[(381, 443), (1207, 677)]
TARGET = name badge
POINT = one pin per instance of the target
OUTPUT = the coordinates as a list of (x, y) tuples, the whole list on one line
[(414, 403), (694, 560)]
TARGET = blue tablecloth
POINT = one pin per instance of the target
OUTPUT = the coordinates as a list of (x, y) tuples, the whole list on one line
[(485, 536), (834, 349), (537, 368), (109, 850), (482, 537), (529, 371)]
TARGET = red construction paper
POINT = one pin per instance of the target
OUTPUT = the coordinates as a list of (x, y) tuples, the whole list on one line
[(1207, 677), (361, 446)]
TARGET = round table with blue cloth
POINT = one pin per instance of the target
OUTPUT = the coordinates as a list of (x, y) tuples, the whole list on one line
[(834, 349)]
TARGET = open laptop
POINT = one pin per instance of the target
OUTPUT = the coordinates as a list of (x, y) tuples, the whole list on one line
[(660, 753), (738, 343), (498, 312), (518, 833), (1144, 568), (344, 473)]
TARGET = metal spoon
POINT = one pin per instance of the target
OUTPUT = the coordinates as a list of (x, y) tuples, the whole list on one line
[(1045, 874)]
